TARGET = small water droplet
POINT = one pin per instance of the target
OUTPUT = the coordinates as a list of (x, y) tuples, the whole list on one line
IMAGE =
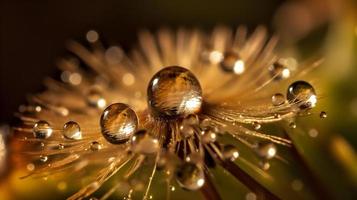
[(71, 130), (95, 99), (208, 136), (187, 130), (42, 130), (230, 152), (250, 196), (95, 146), (302, 94), (279, 71), (118, 123), (267, 150), (190, 176), (30, 167), (278, 99), (232, 62), (323, 114), (43, 158), (143, 142), (256, 125), (292, 125), (60, 146), (92, 36), (172, 188)]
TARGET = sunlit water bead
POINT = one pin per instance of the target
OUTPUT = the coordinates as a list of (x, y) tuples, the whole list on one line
[(95, 146), (279, 71), (323, 114), (174, 91), (266, 150), (230, 152), (43, 158), (190, 176), (95, 98), (71, 130), (232, 63), (142, 142), (302, 94), (42, 130), (278, 99), (118, 123)]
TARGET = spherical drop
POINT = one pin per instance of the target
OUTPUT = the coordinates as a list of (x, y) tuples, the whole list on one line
[(279, 71), (190, 176), (42, 130), (232, 63), (174, 91), (142, 142), (302, 94), (71, 130), (323, 114), (95, 146), (118, 123), (95, 99), (230, 152), (278, 99), (267, 150)]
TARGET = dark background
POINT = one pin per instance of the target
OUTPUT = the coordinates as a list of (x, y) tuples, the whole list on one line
[(34, 33)]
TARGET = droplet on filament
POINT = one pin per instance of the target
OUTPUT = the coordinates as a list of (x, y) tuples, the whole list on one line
[(42, 130)]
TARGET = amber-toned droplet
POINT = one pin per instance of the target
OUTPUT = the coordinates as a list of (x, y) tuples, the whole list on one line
[(190, 176), (71, 130), (232, 63), (118, 123), (42, 130), (174, 91), (279, 71), (301, 94), (230, 152)]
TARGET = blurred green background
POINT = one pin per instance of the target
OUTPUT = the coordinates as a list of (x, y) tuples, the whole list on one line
[(34, 33)]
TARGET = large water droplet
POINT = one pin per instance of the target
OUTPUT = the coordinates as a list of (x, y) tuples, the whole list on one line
[(302, 94), (71, 130), (279, 71), (42, 130), (190, 176), (174, 91), (143, 142), (232, 62), (278, 99), (118, 123)]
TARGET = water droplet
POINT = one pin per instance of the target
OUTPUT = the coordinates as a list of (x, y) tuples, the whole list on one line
[(292, 125), (267, 150), (313, 132), (278, 99), (251, 196), (302, 94), (30, 167), (230, 152), (232, 63), (172, 188), (71, 130), (95, 146), (118, 123), (212, 56), (186, 130), (195, 157), (323, 114), (144, 143), (205, 124), (43, 158), (279, 71), (95, 99), (42, 130), (208, 136), (264, 165), (190, 176), (92, 36), (256, 125), (174, 91), (60, 146)]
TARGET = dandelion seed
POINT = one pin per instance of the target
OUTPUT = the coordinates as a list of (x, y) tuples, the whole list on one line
[(194, 100)]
